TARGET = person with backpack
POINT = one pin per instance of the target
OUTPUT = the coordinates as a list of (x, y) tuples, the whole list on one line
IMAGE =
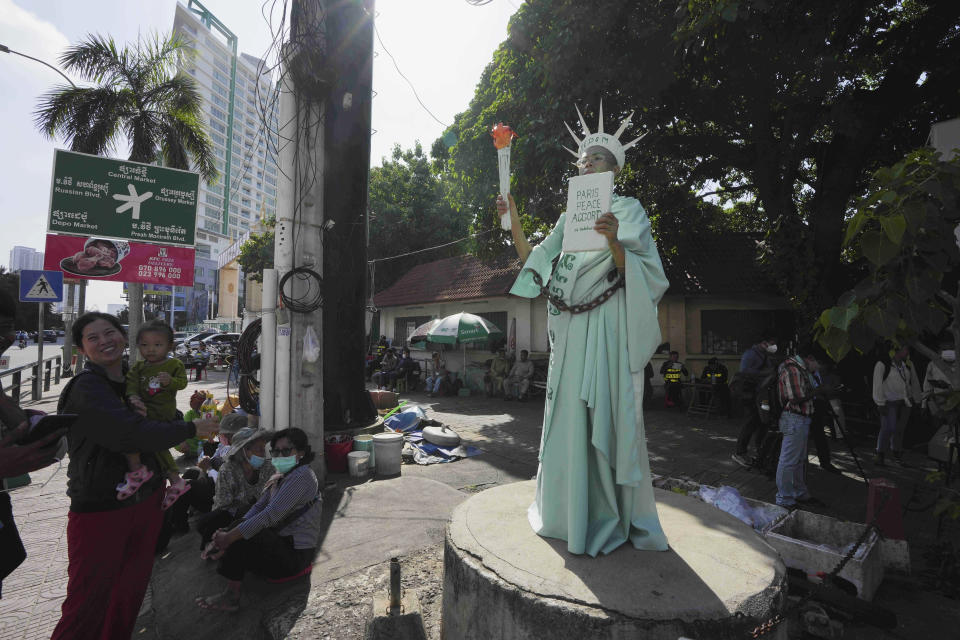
[(895, 390), (755, 365), (796, 392)]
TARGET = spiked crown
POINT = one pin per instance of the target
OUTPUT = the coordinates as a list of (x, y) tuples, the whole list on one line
[(609, 141)]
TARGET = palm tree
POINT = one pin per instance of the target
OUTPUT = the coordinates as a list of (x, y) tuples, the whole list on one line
[(138, 97)]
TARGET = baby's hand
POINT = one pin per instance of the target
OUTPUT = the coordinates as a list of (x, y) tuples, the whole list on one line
[(164, 378), (137, 404)]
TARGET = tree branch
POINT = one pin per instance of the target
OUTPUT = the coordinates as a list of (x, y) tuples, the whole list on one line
[(742, 187)]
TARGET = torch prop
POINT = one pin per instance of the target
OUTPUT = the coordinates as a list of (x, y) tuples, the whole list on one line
[(502, 137)]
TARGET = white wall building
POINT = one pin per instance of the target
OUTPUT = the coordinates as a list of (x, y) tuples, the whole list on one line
[(25, 258), (239, 107)]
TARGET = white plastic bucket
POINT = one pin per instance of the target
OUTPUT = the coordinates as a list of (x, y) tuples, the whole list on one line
[(387, 448), (364, 442), (358, 463)]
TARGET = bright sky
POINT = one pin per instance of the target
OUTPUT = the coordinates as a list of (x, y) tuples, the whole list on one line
[(442, 46)]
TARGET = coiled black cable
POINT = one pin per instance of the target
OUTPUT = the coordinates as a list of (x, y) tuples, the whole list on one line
[(248, 359), (309, 301)]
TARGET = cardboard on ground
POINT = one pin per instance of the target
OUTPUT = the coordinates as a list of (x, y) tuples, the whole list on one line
[(588, 198)]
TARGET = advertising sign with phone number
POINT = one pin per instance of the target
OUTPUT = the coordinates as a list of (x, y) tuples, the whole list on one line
[(90, 258)]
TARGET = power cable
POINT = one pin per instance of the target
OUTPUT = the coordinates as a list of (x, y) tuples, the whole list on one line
[(439, 246), (412, 88), (248, 360), (312, 298)]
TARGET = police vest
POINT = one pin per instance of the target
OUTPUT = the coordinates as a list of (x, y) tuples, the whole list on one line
[(673, 373), (715, 377)]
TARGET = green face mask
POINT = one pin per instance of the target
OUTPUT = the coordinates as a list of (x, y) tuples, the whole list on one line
[(284, 463)]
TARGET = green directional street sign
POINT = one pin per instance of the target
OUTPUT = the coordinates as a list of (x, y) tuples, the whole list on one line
[(109, 198)]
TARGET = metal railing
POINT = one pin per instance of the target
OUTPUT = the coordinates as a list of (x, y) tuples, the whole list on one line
[(19, 388)]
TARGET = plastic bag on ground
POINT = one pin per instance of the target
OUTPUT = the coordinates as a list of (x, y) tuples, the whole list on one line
[(406, 420), (729, 500)]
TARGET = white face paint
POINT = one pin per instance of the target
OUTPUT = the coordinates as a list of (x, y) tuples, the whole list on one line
[(948, 355), (771, 348)]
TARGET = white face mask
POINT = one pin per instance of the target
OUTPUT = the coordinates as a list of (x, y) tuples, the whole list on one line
[(948, 355), (771, 348)]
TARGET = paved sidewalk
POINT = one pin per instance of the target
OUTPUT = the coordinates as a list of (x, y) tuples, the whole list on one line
[(508, 433)]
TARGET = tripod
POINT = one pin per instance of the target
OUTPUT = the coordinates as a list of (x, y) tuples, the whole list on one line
[(843, 436)]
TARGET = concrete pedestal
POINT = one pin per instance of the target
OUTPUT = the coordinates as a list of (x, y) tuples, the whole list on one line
[(501, 581)]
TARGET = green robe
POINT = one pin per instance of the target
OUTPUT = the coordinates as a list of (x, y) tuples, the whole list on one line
[(593, 485)]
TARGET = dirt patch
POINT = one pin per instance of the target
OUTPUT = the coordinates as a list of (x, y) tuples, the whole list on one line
[(340, 609)]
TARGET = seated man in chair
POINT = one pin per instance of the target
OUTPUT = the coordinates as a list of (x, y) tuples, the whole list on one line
[(496, 373), (518, 380)]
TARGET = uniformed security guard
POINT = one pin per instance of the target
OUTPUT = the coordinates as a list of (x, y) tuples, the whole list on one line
[(717, 374), (674, 374)]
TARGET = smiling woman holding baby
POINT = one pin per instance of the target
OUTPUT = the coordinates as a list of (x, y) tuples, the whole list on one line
[(110, 541)]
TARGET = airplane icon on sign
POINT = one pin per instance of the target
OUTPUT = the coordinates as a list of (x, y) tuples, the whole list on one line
[(133, 201)]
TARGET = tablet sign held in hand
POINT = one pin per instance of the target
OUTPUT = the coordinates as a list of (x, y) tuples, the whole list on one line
[(588, 198)]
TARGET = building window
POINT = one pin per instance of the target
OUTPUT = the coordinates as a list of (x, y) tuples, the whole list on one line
[(214, 200), (217, 126), (499, 319), (203, 250), (732, 331), (218, 114), (197, 271), (403, 329)]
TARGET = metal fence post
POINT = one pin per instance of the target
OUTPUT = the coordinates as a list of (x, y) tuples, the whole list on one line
[(56, 375), (46, 375), (15, 387), (35, 388)]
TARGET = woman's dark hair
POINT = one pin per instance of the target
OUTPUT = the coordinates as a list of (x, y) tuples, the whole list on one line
[(156, 326), (81, 323), (299, 441)]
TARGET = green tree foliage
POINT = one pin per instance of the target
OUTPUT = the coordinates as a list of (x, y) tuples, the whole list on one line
[(410, 211), (256, 254), (782, 110), (138, 97), (904, 233), (26, 318)]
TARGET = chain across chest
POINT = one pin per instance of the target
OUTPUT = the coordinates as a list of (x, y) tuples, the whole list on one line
[(617, 279)]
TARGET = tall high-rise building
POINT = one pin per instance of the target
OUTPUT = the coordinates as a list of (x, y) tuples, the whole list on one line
[(25, 258), (239, 106)]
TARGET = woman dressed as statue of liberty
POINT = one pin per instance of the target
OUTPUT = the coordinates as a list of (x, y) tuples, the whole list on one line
[(593, 483)]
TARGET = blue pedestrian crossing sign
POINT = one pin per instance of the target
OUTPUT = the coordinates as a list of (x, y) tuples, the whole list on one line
[(41, 286)]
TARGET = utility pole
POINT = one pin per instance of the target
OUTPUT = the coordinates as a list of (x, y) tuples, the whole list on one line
[(68, 330), (135, 315), (347, 138), (300, 216)]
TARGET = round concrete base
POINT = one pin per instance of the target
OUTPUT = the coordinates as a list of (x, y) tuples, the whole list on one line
[(502, 581)]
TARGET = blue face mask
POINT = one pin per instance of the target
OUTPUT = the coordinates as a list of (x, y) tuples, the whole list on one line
[(255, 461), (284, 464)]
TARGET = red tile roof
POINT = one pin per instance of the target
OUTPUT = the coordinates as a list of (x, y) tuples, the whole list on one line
[(712, 264), (457, 278)]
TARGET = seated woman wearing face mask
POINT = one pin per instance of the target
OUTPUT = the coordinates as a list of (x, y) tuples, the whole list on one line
[(240, 482), (278, 536)]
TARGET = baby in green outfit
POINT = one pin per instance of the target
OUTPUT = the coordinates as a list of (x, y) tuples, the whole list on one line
[(153, 383)]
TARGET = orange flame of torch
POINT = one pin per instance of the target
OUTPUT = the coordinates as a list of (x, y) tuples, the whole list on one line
[(502, 135)]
